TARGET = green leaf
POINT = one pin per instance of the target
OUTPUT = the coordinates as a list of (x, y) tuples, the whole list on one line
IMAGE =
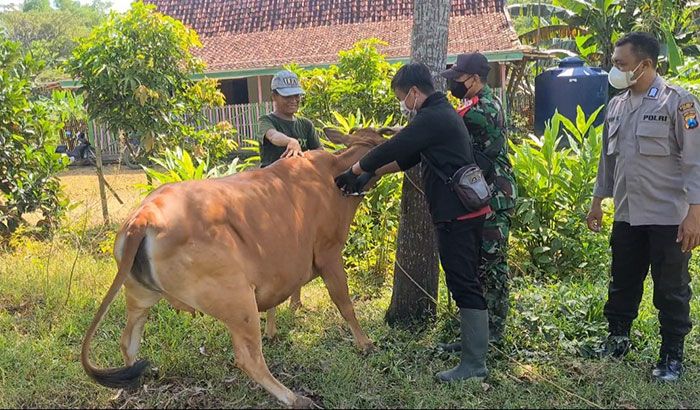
[(675, 58), (592, 118), (568, 125)]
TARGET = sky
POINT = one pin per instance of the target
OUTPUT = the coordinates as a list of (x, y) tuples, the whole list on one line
[(117, 5)]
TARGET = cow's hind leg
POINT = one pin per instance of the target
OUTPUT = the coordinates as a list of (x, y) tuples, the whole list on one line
[(334, 276), (237, 308), (295, 300), (271, 323), (138, 302)]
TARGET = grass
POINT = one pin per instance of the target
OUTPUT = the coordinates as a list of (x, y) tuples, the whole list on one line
[(80, 184), (46, 305)]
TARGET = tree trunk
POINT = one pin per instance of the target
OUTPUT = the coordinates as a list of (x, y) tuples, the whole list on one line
[(100, 177), (416, 268)]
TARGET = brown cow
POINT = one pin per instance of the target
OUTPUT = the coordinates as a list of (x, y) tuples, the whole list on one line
[(210, 246)]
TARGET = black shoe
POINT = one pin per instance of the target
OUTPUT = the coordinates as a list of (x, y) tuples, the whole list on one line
[(616, 347), (670, 366), (667, 370)]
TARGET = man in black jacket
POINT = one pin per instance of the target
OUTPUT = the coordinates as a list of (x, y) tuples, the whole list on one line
[(437, 134)]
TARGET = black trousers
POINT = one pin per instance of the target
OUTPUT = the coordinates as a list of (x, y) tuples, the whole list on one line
[(459, 244), (634, 250)]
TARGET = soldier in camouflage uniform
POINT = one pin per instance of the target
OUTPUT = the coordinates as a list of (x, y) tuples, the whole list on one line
[(483, 115)]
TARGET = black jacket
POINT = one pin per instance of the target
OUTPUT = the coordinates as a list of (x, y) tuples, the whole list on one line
[(437, 132)]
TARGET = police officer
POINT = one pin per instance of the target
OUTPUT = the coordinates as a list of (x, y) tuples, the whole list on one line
[(650, 165), (482, 113)]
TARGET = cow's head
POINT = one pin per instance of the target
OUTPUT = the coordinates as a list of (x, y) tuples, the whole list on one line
[(358, 143), (369, 137)]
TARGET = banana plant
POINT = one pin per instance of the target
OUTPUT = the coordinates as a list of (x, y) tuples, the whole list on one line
[(593, 26)]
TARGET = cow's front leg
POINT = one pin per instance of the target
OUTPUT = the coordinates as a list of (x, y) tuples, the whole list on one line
[(334, 277)]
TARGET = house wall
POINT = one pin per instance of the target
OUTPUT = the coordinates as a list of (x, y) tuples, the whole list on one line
[(494, 78), (253, 91), (235, 91), (245, 90)]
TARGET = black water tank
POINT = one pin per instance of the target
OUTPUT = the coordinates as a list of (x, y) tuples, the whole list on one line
[(563, 88)]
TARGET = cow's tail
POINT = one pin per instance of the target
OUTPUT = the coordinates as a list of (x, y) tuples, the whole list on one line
[(127, 376)]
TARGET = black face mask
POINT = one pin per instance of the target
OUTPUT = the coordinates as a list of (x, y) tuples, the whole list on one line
[(458, 89)]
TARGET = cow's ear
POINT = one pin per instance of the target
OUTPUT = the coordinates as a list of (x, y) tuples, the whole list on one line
[(387, 131), (336, 136)]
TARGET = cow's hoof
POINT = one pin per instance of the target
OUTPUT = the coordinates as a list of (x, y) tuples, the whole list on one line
[(368, 348), (303, 402), (271, 338)]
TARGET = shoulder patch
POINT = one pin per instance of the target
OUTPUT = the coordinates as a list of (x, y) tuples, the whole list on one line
[(686, 106), (690, 120), (467, 105)]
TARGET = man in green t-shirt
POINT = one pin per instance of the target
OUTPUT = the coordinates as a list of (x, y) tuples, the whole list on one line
[(285, 134)]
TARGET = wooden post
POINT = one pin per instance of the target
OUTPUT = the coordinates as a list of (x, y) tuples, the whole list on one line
[(100, 175), (260, 93), (504, 101), (502, 70)]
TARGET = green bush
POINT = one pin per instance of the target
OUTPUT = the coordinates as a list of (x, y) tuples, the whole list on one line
[(215, 142), (356, 93), (567, 313), (136, 70), (371, 245), (28, 163), (360, 80), (555, 186), (688, 76), (178, 166)]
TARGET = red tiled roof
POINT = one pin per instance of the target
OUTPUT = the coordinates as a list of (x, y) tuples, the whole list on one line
[(255, 34), (320, 45), (219, 17)]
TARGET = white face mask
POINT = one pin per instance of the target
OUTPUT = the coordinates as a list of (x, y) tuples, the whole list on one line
[(408, 112), (622, 79)]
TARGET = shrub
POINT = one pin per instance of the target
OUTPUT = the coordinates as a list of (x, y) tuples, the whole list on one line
[(136, 70), (371, 245), (360, 80), (555, 186), (27, 159), (179, 166), (215, 142), (688, 76)]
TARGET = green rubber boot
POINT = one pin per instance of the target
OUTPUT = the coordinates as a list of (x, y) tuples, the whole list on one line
[(474, 326)]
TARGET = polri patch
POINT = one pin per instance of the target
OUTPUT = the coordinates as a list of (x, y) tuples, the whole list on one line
[(651, 117), (653, 91), (690, 120)]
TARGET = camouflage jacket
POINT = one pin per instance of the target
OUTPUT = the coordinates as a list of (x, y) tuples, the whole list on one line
[(486, 124)]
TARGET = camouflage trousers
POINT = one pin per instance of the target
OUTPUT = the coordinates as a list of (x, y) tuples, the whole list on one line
[(494, 273)]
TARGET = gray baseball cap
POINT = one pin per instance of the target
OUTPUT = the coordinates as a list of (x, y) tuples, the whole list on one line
[(286, 83)]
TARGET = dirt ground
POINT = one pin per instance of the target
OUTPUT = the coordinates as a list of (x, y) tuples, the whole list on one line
[(80, 184)]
